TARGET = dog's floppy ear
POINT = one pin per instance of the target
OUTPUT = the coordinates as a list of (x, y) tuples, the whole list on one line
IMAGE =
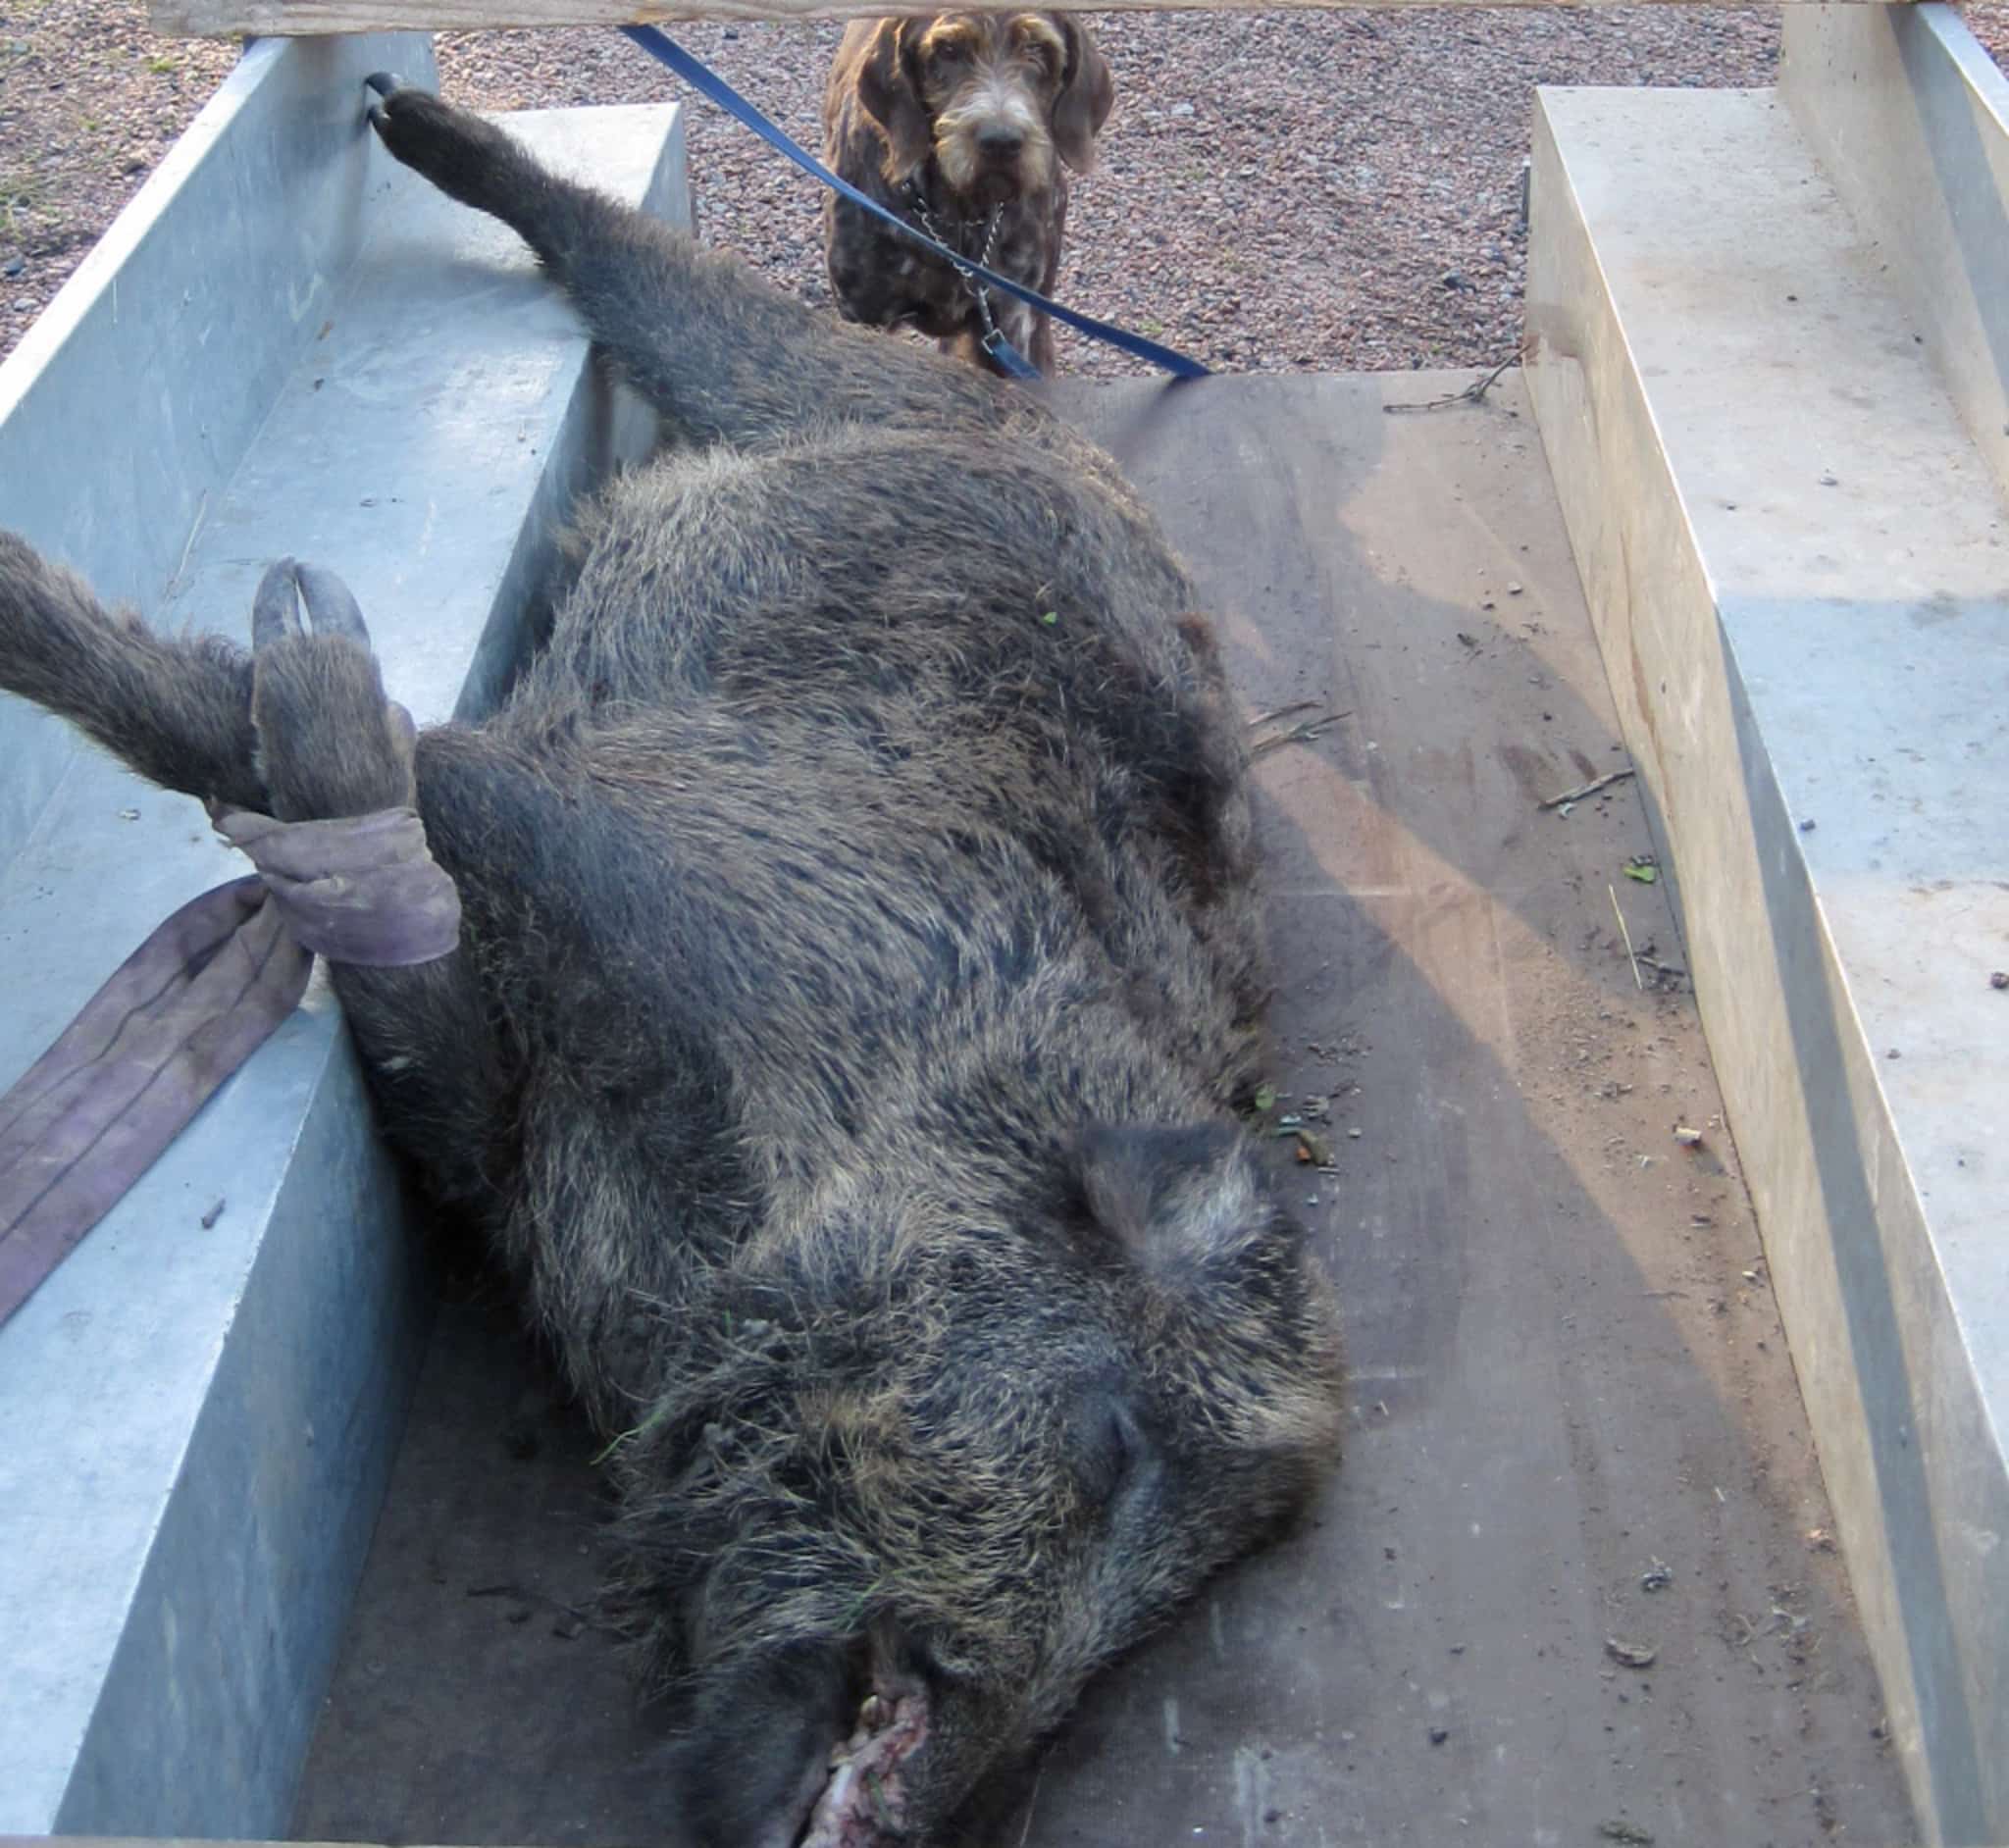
[(891, 91), (1087, 93)]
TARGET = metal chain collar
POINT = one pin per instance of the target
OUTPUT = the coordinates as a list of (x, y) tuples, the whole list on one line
[(978, 293)]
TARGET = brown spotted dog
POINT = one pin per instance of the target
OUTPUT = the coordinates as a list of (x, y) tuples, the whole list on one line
[(963, 123)]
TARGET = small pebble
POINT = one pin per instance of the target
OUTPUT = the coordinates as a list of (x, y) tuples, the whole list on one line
[(2000, 979)]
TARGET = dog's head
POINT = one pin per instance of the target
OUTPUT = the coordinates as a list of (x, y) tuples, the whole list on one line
[(994, 97)]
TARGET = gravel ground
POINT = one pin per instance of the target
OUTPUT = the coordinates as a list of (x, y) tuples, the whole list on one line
[(1327, 191)]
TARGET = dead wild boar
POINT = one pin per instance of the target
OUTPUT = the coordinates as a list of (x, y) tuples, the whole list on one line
[(859, 975)]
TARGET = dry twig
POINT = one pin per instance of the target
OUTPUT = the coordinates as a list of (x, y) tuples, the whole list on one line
[(1474, 393), (1630, 956), (1281, 712), (1589, 788), (1302, 733)]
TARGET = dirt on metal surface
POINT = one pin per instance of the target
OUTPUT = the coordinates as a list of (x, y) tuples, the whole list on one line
[(1575, 1581)]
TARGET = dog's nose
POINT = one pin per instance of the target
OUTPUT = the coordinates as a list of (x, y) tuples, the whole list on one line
[(1000, 144)]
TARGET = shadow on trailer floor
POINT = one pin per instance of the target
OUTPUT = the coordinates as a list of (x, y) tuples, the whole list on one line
[(1576, 1431)]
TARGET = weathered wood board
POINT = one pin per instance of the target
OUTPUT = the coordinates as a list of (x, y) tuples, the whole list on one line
[(217, 19)]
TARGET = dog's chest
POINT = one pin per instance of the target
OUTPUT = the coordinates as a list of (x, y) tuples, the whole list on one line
[(884, 279)]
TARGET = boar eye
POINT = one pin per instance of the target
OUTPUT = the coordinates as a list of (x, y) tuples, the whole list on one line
[(1106, 1442)]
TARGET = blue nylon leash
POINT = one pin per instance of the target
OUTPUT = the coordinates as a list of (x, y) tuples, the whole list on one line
[(702, 77)]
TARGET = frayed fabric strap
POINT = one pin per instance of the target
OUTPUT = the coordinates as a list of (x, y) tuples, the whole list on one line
[(361, 890), (191, 1005)]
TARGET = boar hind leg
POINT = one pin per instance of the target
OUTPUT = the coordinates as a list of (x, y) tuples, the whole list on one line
[(330, 744), (722, 355)]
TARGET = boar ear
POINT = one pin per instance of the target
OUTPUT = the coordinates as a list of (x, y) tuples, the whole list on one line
[(1106, 1445), (1175, 1195)]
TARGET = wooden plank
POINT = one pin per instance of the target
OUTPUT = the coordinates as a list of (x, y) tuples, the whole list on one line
[(219, 19), (1553, 1363)]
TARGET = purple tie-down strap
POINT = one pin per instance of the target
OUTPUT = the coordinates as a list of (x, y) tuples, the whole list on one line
[(361, 890), (191, 1005)]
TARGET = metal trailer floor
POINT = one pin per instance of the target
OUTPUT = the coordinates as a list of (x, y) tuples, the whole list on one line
[(1576, 1436)]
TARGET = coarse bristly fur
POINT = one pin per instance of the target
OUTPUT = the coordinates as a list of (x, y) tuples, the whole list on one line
[(977, 114), (859, 974)]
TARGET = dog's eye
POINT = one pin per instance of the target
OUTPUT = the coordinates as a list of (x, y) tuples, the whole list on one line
[(947, 58), (1039, 50)]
